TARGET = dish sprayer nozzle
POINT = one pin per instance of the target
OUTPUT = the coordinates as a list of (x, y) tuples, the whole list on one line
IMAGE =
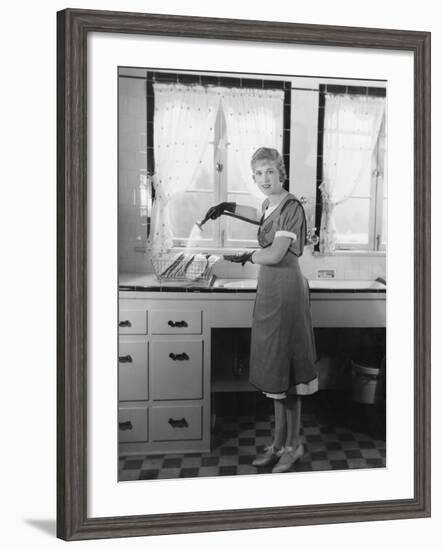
[(201, 223)]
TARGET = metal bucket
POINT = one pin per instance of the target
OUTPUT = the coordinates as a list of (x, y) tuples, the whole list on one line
[(365, 383)]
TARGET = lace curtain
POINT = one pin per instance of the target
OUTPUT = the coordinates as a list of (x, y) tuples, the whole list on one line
[(352, 125), (184, 121), (183, 124), (254, 118)]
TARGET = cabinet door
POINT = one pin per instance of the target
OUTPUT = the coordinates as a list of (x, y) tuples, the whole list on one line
[(176, 369), (132, 371), (132, 424), (132, 321), (173, 423), (175, 322)]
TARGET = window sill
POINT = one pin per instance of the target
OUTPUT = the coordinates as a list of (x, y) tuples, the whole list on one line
[(352, 253), (213, 250), (208, 250), (222, 251)]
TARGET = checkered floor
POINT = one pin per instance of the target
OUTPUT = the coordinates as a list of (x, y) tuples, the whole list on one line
[(237, 439)]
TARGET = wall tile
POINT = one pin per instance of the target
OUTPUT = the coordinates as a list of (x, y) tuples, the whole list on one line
[(141, 141), (365, 268), (352, 270), (141, 262), (378, 269), (126, 160), (141, 160), (125, 141)]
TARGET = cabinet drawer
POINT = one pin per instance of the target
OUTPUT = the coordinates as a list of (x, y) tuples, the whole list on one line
[(172, 423), (176, 369), (132, 371), (175, 322), (132, 321), (132, 424)]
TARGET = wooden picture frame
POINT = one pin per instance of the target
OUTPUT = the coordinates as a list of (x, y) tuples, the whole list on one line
[(74, 26)]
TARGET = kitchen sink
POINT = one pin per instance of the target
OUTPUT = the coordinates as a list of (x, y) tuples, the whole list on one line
[(314, 284), (235, 283), (339, 284)]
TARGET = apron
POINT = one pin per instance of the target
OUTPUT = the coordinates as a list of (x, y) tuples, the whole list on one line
[(282, 341)]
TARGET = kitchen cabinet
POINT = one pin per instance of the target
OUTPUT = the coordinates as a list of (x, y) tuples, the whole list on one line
[(176, 369), (164, 391), (133, 423), (132, 370), (164, 358)]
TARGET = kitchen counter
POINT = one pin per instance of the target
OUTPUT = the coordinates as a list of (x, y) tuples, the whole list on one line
[(165, 350), (140, 282)]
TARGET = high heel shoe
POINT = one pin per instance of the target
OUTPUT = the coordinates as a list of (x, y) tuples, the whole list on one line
[(269, 456), (288, 459)]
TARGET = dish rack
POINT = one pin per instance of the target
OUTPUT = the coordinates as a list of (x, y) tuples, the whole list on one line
[(185, 269)]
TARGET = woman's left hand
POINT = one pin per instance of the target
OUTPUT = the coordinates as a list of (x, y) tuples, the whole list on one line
[(240, 258)]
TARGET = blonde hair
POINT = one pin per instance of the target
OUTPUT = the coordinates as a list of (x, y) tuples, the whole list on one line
[(267, 153)]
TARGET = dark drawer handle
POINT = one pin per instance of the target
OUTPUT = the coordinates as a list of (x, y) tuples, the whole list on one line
[(179, 356), (181, 423), (125, 359), (125, 425), (125, 324), (179, 324)]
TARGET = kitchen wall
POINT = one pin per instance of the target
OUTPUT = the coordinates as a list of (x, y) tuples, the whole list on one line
[(303, 143), (132, 165)]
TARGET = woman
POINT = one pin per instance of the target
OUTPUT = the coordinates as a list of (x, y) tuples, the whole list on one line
[(282, 353)]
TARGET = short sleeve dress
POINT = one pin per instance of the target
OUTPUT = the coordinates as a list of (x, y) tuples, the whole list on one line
[(283, 355)]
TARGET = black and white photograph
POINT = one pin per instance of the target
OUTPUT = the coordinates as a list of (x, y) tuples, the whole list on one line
[(252, 286)]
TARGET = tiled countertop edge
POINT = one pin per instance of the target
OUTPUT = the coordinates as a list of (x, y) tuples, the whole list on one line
[(134, 288)]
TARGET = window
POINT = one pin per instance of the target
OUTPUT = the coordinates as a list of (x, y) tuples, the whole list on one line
[(352, 189), (218, 179), (203, 137)]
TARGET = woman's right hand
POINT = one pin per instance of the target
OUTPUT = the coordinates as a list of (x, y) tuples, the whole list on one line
[(216, 211)]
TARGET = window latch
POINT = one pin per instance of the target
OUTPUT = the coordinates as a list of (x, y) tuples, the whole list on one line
[(219, 167)]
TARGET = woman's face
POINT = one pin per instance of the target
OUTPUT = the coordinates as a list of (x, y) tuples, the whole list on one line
[(267, 177)]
